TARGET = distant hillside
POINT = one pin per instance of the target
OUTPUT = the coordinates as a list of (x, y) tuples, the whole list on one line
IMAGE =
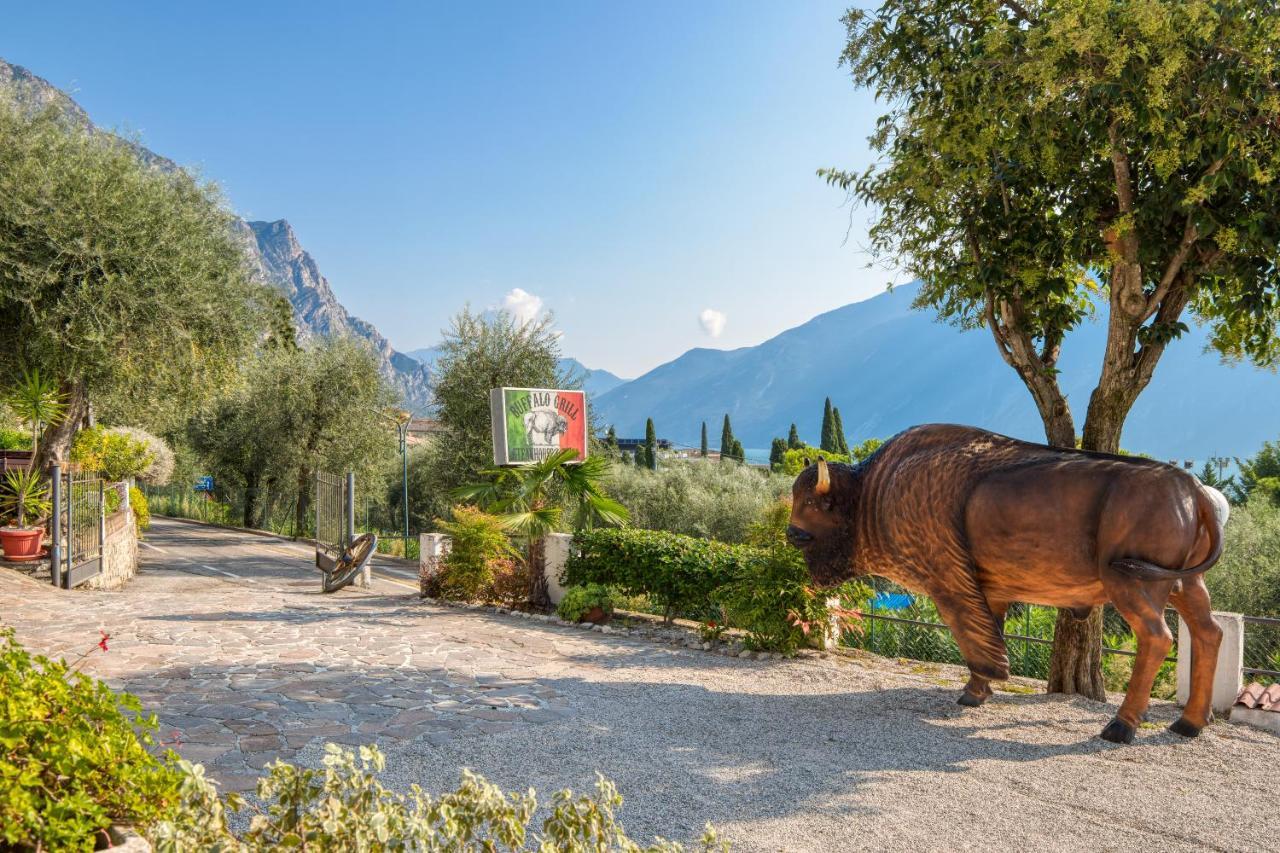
[(273, 252), (888, 367)]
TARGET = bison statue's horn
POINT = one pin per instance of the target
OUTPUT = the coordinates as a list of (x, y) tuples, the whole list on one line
[(824, 478)]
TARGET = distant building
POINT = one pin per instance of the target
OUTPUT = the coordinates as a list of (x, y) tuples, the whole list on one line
[(421, 429), (630, 444)]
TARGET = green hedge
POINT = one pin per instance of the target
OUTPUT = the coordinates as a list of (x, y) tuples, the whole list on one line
[(678, 572)]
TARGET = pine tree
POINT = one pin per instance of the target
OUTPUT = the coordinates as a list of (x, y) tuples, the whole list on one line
[(828, 429), (793, 439), (726, 439), (704, 439), (650, 445), (777, 453), (842, 441)]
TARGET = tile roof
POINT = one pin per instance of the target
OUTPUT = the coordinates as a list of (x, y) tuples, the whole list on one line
[(1255, 696)]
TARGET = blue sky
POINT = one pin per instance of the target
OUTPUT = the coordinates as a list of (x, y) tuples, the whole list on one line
[(630, 165)]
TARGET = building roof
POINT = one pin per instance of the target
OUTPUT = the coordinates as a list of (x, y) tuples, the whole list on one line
[(1256, 697)]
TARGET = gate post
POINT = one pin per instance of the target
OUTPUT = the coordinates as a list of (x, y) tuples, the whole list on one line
[(55, 547), (349, 515)]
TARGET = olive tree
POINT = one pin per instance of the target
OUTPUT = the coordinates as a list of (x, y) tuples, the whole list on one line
[(297, 410), (120, 280), (1044, 160)]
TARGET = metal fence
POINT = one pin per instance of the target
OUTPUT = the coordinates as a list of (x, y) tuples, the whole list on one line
[(274, 510), (79, 502), (898, 623), (1262, 649), (331, 511)]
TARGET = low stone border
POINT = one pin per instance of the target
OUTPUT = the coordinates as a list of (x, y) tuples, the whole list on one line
[(675, 634)]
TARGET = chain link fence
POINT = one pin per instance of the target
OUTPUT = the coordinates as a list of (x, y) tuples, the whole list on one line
[(902, 624), (1262, 649)]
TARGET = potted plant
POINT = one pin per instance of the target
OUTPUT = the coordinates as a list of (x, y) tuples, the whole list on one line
[(26, 499), (591, 602)]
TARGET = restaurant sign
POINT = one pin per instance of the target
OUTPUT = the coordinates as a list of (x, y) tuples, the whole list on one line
[(530, 424)]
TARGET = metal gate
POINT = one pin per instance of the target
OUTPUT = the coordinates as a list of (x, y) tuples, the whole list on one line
[(339, 554), (79, 527)]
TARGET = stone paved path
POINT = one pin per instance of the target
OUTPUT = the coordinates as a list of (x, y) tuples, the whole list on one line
[(228, 639)]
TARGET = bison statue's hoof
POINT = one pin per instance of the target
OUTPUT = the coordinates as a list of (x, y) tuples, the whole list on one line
[(1180, 726), (1118, 731), (970, 701)]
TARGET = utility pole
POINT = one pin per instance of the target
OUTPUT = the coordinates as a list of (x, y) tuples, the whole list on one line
[(402, 428)]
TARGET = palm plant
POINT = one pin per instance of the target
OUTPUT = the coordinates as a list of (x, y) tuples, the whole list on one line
[(538, 499), (38, 401), (26, 496)]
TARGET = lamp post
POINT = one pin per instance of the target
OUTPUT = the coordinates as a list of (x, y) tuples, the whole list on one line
[(402, 430)]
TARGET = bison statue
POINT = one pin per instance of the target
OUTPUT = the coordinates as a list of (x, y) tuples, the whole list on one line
[(977, 520)]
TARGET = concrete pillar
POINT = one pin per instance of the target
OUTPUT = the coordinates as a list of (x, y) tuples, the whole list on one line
[(556, 557), (831, 630), (432, 548), (1227, 680)]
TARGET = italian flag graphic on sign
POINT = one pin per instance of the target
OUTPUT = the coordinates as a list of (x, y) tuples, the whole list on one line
[(530, 424)]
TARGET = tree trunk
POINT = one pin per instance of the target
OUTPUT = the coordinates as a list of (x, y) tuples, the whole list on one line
[(539, 594), (55, 444), (1076, 663), (250, 499)]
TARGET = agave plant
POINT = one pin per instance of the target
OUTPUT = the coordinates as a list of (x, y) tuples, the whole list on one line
[(38, 401), (533, 500), (25, 497)]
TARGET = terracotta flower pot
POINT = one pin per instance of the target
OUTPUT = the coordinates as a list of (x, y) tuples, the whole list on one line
[(597, 616), (21, 543)]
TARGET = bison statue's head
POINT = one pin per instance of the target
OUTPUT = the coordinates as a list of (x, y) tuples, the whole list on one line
[(823, 500)]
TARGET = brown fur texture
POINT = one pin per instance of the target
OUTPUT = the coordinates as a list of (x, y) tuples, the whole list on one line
[(977, 520)]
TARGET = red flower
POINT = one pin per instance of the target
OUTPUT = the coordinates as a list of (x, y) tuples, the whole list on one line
[(102, 644)]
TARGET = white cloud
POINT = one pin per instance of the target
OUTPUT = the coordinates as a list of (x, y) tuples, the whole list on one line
[(522, 305), (712, 321)]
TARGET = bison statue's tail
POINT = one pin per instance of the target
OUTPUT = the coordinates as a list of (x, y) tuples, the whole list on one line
[(1213, 515)]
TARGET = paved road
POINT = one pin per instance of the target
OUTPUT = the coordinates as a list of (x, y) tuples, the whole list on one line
[(227, 637)]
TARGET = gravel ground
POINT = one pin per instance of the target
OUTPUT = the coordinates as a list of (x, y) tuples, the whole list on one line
[(845, 754), (227, 637)]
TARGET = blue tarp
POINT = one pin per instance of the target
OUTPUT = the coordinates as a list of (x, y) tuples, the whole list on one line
[(891, 601)]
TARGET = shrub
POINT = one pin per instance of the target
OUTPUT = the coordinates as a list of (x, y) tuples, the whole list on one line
[(141, 511), (160, 469), (479, 546), (12, 438), (678, 572), (73, 756), (770, 597), (696, 498), (793, 461), (115, 454), (578, 601), (1247, 577), (344, 807)]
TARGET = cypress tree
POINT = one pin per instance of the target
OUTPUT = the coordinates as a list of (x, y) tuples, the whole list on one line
[(650, 445), (726, 439), (638, 458), (704, 439), (828, 429), (611, 439), (777, 453), (738, 453), (842, 441), (793, 439)]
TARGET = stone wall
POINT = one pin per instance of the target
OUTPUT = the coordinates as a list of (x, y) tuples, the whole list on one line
[(119, 552)]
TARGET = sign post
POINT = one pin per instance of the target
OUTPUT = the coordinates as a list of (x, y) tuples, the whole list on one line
[(530, 424)]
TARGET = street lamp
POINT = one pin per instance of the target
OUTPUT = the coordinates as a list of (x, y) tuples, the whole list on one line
[(402, 430)]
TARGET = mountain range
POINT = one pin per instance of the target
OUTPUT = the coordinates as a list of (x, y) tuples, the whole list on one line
[(274, 255), (888, 366)]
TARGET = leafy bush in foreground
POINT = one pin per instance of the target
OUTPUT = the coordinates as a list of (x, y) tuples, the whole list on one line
[(344, 807), (73, 756), (480, 553), (1247, 577)]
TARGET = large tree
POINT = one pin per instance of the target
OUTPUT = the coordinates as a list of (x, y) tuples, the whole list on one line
[(480, 352), (122, 281), (296, 411), (1045, 160)]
